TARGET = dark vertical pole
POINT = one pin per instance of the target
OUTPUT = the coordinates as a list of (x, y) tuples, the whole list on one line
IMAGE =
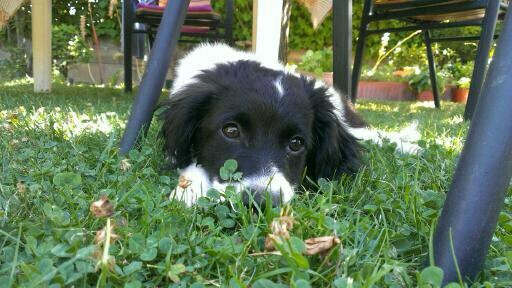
[(342, 45), (483, 173), (228, 22), (482, 56), (127, 43), (356, 71), (156, 70), (432, 68)]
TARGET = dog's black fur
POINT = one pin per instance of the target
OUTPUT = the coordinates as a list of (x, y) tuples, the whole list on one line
[(244, 92)]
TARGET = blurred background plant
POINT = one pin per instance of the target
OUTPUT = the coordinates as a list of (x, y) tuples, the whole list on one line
[(72, 38), (419, 81), (460, 73), (385, 73), (68, 47), (316, 62), (16, 65)]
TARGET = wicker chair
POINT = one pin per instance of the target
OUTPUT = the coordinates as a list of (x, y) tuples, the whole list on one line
[(201, 22), (428, 15)]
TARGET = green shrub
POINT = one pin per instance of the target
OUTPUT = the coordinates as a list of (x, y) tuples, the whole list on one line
[(68, 47), (316, 62), (302, 34), (383, 73), (242, 22), (420, 81), (461, 73), (16, 66)]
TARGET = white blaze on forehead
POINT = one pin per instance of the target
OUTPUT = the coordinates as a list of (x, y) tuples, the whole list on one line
[(207, 56), (278, 83)]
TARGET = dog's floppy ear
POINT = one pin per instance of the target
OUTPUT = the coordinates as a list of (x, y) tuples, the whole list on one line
[(335, 150), (181, 117)]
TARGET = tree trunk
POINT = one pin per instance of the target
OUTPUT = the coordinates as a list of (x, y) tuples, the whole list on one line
[(285, 29)]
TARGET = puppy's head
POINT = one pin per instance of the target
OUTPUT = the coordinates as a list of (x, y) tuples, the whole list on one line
[(277, 126)]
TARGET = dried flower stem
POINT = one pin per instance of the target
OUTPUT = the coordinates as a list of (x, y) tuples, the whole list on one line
[(106, 246), (102, 280)]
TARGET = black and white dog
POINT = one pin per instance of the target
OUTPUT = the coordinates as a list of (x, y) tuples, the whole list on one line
[(278, 125)]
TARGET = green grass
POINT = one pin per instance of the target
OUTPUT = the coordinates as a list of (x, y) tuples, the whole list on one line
[(59, 154)]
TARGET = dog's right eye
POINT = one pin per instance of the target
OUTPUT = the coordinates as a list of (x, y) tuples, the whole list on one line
[(231, 130)]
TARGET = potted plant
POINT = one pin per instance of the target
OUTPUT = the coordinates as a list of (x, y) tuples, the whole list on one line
[(461, 90), (382, 83), (420, 83), (461, 72), (385, 83), (317, 64)]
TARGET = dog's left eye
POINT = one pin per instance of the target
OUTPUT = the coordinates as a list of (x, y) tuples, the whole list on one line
[(296, 144), (231, 130)]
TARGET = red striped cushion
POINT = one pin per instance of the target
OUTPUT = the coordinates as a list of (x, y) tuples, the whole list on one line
[(198, 9), (194, 6)]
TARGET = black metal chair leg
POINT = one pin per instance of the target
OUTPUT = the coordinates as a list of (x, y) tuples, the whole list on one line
[(151, 40), (342, 45), (432, 68), (482, 56), (479, 186), (228, 32), (127, 43), (358, 59), (156, 70)]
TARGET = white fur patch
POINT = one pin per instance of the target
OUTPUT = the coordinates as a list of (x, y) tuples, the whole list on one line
[(197, 185), (273, 182), (335, 99), (404, 139), (207, 56)]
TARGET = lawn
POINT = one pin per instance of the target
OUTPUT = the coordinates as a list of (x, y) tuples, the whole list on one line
[(59, 154)]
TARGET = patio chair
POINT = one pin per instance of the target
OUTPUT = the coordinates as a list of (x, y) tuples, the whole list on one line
[(201, 22), (428, 15)]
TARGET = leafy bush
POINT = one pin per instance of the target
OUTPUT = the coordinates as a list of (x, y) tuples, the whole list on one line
[(302, 34), (16, 65), (420, 81), (463, 82), (316, 62), (461, 73), (107, 24), (242, 22), (383, 73), (68, 47)]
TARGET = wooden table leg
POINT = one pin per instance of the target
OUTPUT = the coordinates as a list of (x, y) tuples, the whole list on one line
[(42, 44)]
